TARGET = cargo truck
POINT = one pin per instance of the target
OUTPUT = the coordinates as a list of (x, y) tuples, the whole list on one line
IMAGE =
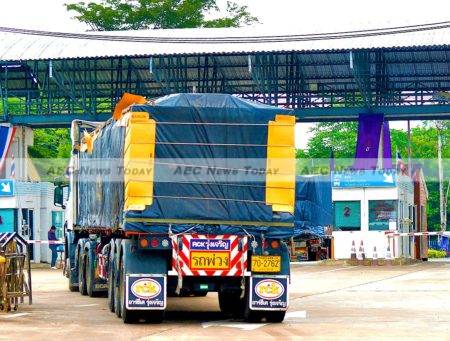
[(181, 196)]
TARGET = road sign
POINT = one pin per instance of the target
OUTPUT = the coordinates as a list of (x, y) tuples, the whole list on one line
[(364, 178), (6, 188)]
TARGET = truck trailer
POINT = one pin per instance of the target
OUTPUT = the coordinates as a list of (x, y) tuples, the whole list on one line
[(180, 196)]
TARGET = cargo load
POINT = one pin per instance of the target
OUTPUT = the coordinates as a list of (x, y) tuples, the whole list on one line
[(313, 205), (210, 160)]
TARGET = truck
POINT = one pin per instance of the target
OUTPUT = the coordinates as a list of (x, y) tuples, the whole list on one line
[(181, 196)]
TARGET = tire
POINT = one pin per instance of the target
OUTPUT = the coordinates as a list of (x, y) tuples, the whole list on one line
[(72, 287), (230, 302), (111, 291), (155, 316), (90, 274), (200, 294), (252, 316), (128, 316), (81, 274), (274, 316), (117, 303)]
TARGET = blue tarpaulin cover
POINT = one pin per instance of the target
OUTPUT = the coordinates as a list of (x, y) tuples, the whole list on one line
[(241, 135), (313, 206)]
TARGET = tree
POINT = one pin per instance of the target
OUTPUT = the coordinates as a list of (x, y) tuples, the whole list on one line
[(50, 143), (113, 15)]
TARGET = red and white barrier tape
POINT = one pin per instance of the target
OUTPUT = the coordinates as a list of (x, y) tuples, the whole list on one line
[(57, 242), (410, 234)]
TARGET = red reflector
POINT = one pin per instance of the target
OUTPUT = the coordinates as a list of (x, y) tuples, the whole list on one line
[(154, 242), (275, 244), (143, 242)]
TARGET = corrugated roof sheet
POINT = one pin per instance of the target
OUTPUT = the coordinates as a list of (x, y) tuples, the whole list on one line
[(19, 46)]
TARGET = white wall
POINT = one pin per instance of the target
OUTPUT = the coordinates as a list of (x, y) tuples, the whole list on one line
[(399, 246)]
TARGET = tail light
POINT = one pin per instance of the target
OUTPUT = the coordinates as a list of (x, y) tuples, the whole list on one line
[(154, 242), (143, 242), (274, 244)]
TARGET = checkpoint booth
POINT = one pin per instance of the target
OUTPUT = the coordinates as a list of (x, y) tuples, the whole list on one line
[(368, 206)]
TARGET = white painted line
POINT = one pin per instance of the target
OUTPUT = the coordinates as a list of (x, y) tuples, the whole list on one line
[(233, 324), (332, 270), (293, 315), (9, 316), (86, 305)]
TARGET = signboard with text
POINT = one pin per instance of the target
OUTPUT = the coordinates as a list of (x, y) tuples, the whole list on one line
[(364, 178)]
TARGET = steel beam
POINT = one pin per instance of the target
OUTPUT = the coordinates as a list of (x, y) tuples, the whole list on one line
[(55, 121), (391, 113), (360, 66)]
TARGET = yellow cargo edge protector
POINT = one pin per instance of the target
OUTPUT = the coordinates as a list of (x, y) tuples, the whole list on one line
[(280, 176), (139, 156)]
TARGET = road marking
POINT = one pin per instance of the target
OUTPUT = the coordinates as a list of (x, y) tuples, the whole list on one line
[(332, 270), (86, 305), (233, 324), (9, 316), (293, 315)]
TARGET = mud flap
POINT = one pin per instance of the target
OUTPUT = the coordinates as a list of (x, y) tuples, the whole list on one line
[(269, 293), (146, 292)]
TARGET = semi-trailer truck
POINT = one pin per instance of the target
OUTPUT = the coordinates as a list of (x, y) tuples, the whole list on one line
[(183, 195)]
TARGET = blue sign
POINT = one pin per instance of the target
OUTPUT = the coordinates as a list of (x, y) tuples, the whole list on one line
[(210, 244), (364, 178), (268, 293), (146, 292), (6, 188)]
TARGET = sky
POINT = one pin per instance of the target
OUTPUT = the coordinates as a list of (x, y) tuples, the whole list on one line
[(286, 15)]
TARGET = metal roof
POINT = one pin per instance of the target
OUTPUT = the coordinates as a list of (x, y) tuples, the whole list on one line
[(50, 80), (20, 45)]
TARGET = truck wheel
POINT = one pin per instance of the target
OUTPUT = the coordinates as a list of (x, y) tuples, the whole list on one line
[(155, 316), (111, 279), (200, 293), (117, 303), (275, 316), (90, 274), (230, 302), (72, 287), (128, 316), (81, 274), (253, 316)]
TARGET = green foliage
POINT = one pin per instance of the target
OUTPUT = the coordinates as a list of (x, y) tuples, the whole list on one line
[(113, 15), (339, 136), (436, 253), (50, 144)]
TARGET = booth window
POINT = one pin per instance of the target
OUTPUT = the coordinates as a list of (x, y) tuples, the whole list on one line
[(347, 215), (381, 212)]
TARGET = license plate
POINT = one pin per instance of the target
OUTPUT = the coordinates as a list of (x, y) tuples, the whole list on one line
[(210, 260), (266, 263)]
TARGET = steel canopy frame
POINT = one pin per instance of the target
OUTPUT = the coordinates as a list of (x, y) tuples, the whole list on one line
[(404, 84)]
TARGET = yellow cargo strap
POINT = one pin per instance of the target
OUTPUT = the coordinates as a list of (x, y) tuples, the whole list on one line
[(139, 156), (127, 100), (280, 176)]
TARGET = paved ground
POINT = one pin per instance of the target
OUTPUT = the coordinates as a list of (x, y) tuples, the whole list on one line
[(408, 302)]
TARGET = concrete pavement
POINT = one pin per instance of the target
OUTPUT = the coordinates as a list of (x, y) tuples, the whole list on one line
[(344, 302)]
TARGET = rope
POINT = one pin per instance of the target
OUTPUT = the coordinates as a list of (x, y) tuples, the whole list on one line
[(215, 199), (221, 144), (209, 167), (239, 40)]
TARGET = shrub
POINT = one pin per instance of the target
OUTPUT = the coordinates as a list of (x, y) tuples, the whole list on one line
[(436, 253)]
